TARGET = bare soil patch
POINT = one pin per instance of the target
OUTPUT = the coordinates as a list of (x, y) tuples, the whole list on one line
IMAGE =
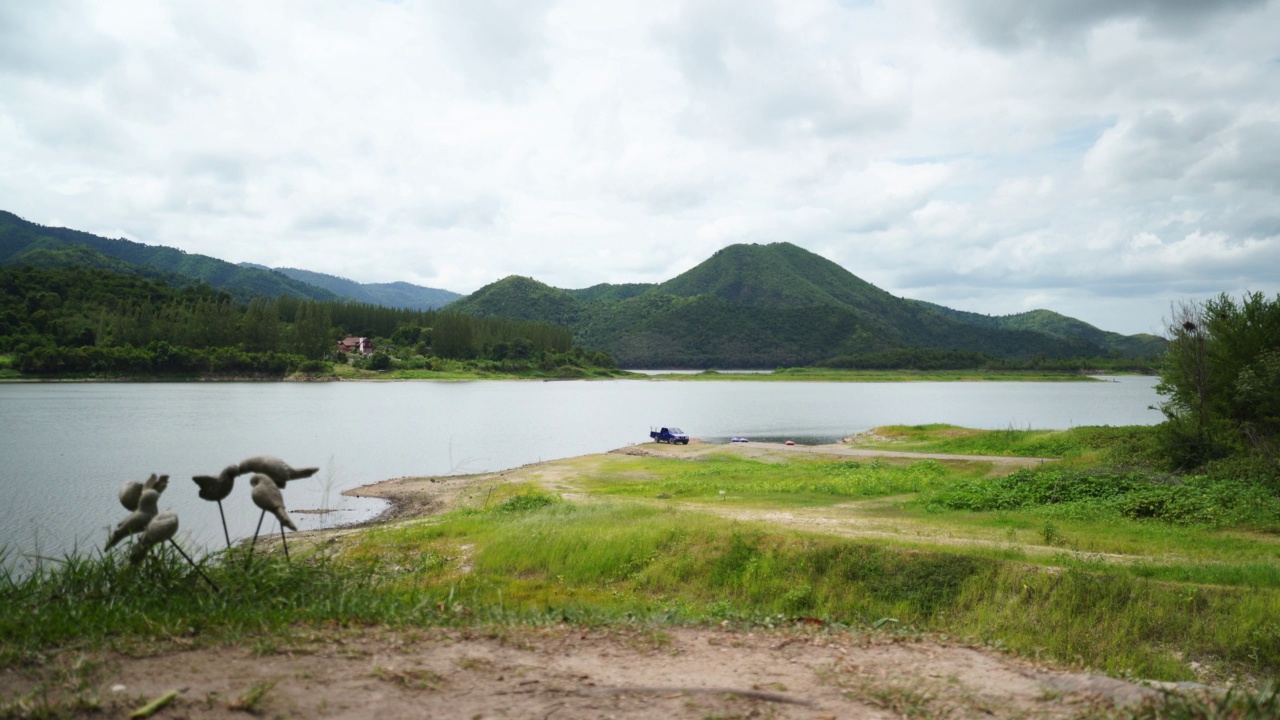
[(570, 672)]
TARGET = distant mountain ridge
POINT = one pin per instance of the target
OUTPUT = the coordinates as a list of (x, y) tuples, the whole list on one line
[(1058, 325), (777, 304), (394, 294), (26, 243), (747, 305)]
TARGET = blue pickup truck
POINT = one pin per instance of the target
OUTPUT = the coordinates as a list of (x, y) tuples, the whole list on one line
[(670, 435)]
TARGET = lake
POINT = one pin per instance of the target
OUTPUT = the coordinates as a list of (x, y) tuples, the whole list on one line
[(67, 447)]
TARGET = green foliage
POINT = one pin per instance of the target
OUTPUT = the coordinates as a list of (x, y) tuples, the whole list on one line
[(532, 559), (521, 298), (1060, 326), (97, 322), (735, 478), (527, 501), (1221, 377), (909, 359), (770, 306), (1129, 446), (26, 243), (1197, 500), (682, 567), (1235, 704), (962, 441)]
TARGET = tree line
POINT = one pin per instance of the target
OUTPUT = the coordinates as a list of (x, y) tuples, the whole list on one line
[(79, 320)]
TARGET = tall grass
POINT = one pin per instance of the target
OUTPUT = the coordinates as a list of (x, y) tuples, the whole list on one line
[(648, 562), (93, 600), (536, 562)]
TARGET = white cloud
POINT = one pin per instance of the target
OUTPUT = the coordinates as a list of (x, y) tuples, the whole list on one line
[(1104, 158)]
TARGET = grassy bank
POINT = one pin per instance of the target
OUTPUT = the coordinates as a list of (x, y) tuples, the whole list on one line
[(1130, 446), (621, 563), (813, 374), (456, 370), (481, 370), (1129, 573)]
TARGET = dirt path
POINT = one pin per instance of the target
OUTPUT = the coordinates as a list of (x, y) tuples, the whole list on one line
[(568, 672), (845, 450)]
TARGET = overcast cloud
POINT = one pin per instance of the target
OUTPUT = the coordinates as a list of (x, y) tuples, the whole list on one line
[(1100, 158)]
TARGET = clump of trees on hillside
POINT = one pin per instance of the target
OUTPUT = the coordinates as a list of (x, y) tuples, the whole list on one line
[(1221, 378), (82, 321)]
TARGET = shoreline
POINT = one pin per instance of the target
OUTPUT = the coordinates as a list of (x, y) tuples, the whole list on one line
[(844, 376), (414, 497)]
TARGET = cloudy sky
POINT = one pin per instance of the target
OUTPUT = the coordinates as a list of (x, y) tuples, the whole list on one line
[(1101, 158)]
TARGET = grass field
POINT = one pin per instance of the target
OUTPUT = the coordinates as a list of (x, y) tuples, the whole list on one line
[(1087, 562)]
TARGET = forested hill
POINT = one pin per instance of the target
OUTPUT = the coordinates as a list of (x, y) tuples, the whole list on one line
[(26, 243), (1058, 325), (394, 294), (767, 306)]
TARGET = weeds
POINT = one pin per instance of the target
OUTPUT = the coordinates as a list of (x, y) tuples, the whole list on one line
[(907, 702), (1235, 704), (249, 701)]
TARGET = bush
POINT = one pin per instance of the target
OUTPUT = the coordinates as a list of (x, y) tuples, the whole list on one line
[(1191, 500), (526, 501)]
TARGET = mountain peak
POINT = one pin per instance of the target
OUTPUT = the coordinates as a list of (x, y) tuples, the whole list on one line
[(778, 274)]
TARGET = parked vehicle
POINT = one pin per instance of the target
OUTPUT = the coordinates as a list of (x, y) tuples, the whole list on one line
[(671, 435)]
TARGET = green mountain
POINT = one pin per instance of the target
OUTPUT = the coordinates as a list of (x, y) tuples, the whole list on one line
[(395, 294), (607, 292), (521, 298), (26, 243), (23, 242), (1060, 326), (760, 306)]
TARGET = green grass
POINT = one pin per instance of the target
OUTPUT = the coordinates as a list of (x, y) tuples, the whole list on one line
[(1134, 445), (1131, 573), (801, 481), (534, 561), (7, 370), (807, 374), (644, 561), (1094, 494)]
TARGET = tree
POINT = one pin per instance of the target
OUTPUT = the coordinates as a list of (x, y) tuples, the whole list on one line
[(1221, 375), (454, 336), (380, 361)]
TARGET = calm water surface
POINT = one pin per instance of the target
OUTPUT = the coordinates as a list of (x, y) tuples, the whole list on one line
[(67, 447)]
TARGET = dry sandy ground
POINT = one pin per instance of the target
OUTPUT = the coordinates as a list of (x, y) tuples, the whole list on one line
[(567, 672)]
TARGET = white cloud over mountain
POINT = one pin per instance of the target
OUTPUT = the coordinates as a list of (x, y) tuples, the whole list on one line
[(1100, 158)]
